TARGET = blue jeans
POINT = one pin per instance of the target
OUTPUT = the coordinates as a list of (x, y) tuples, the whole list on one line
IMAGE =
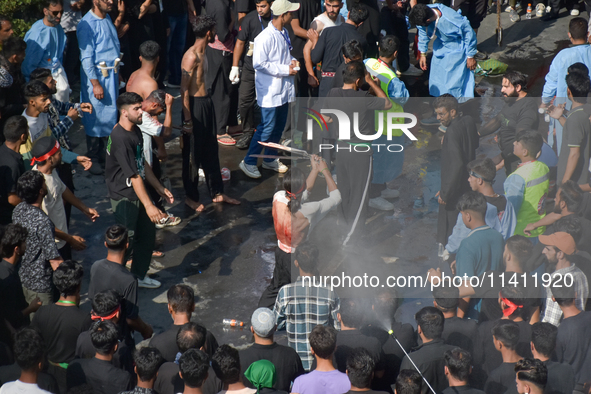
[(270, 130), (176, 46)]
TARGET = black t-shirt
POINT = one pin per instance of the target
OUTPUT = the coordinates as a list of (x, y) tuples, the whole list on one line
[(491, 285), (166, 343), (12, 167), (10, 373), (309, 9), (462, 390), (460, 332), (485, 352), (11, 289), (252, 25), (108, 275), (244, 6), (122, 358), (288, 365), (350, 101), (59, 325), (561, 378), (348, 340), (101, 375), (330, 42), (125, 159), (430, 360), (516, 116), (499, 202), (573, 342), (168, 381), (220, 11), (502, 380), (174, 7)]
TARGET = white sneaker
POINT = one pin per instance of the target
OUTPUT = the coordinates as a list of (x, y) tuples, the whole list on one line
[(381, 204), (574, 12), (275, 165), (250, 170), (148, 283), (390, 193), (412, 71)]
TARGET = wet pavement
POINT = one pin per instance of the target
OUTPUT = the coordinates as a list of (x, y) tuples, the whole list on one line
[(226, 253)]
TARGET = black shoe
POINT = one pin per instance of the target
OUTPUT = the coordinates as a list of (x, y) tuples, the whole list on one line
[(549, 17), (244, 141), (96, 169)]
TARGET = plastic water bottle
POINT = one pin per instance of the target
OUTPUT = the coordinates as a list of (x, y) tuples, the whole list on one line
[(225, 174), (513, 15), (528, 14), (233, 323)]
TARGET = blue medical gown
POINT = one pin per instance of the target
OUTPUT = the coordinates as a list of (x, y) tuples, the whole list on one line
[(44, 44), (98, 42), (455, 41)]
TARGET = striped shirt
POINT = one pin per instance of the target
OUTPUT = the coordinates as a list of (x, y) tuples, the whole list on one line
[(299, 308)]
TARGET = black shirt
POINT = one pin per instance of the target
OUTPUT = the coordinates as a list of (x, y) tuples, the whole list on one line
[(502, 380), (125, 159), (12, 289), (309, 9), (168, 381), (244, 6), (288, 365), (348, 340), (166, 343), (516, 116), (460, 332), (561, 378), (350, 101), (108, 275), (122, 358), (10, 373), (573, 344), (220, 11), (251, 27), (393, 353), (12, 167), (100, 374), (175, 7), (429, 359), (462, 390), (370, 28), (60, 327), (328, 47), (485, 352)]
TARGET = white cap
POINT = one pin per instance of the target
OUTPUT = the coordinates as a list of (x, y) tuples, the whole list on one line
[(280, 7)]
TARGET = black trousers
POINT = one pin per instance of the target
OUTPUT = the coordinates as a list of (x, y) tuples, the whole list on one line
[(247, 100), (96, 148), (354, 171), (72, 62), (325, 86), (475, 11), (219, 86), (200, 149), (446, 220), (157, 170), (395, 23), (282, 275)]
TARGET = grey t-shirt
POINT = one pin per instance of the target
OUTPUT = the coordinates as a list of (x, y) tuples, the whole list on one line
[(577, 130)]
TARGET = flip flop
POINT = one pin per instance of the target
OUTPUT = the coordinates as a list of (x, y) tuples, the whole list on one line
[(226, 140)]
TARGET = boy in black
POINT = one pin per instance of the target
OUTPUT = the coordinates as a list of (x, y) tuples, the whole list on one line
[(194, 370), (458, 367), (99, 372), (61, 323), (147, 360), (111, 274), (573, 339), (354, 156), (250, 27), (125, 172), (360, 370), (12, 166), (16, 311), (505, 337), (561, 377)]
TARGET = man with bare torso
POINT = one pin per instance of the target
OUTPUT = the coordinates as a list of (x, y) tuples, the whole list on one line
[(199, 140)]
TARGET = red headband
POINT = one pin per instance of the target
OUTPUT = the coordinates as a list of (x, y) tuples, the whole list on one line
[(511, 307), (108, 317), (293, 196), (46, 156)]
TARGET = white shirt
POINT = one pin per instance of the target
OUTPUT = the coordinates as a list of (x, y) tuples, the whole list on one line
[(53, 203), (327, 22), (271, 60), (18, 387), (150, 127), (38, 125)]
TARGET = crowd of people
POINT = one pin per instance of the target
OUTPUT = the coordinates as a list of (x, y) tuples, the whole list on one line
[(525, 327)]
